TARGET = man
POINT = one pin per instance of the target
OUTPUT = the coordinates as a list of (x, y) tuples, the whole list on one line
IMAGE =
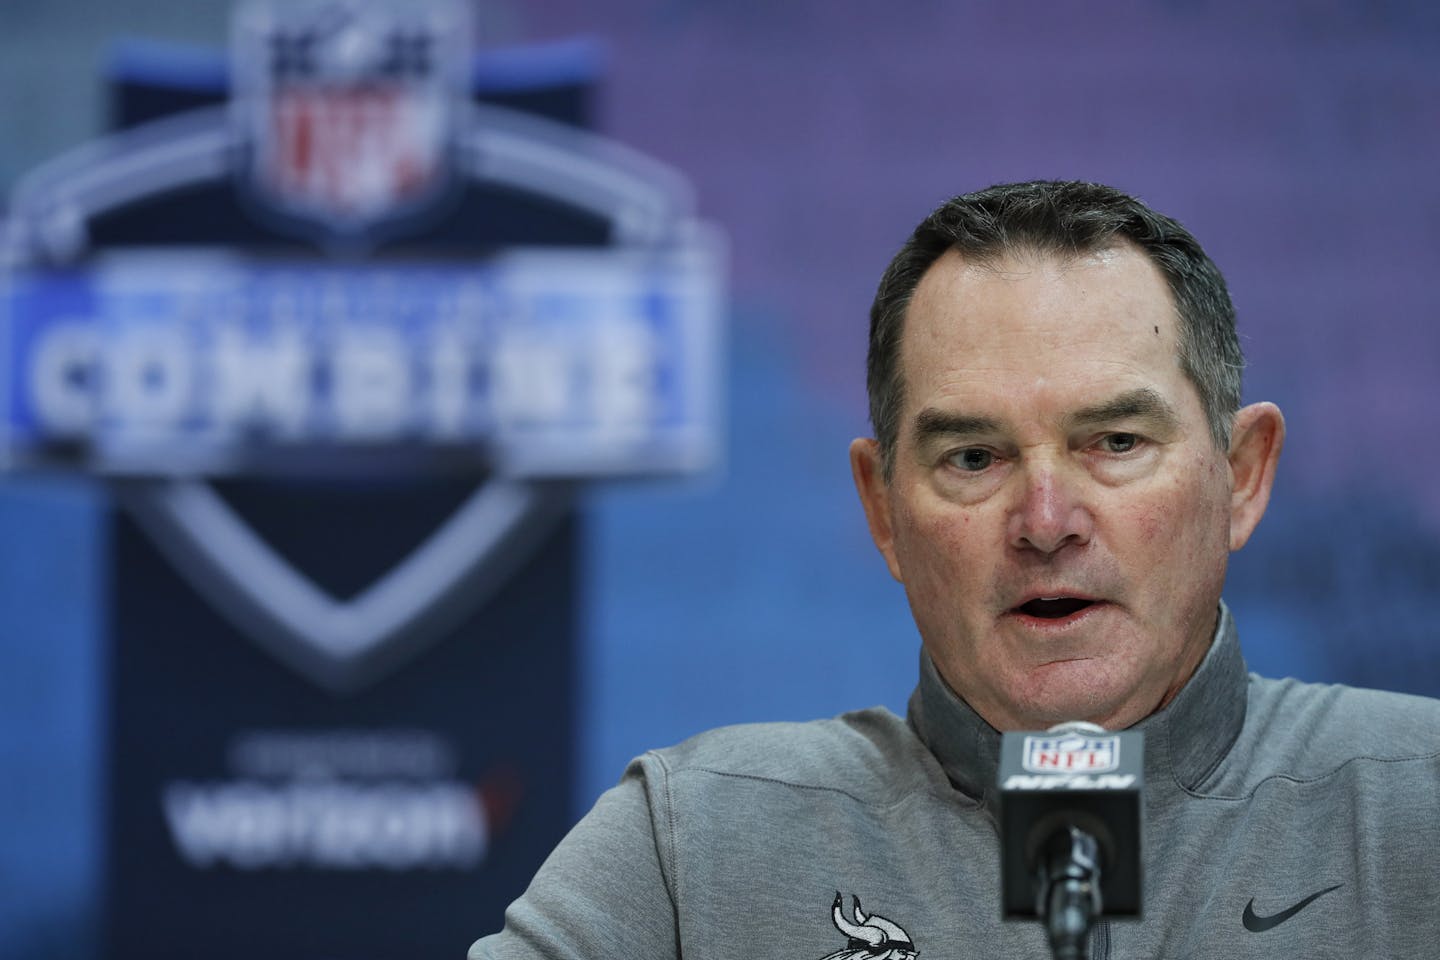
[(1060, 469)]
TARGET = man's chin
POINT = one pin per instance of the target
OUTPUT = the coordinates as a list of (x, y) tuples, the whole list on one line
[(1082, 688)]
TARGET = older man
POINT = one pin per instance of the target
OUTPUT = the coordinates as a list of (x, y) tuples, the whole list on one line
[(1060, 469)]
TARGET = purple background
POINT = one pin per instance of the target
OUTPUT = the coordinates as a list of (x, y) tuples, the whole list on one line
[(1297, 140), (1298, 143)]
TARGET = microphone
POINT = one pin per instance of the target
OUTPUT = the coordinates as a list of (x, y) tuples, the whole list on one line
[(1070, 829)]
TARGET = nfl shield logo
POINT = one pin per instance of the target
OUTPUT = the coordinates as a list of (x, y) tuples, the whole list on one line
[(1071, 753), (345, 109)]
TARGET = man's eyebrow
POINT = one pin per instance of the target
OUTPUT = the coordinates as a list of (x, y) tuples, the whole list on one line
[(1144, 403), (931, 423)]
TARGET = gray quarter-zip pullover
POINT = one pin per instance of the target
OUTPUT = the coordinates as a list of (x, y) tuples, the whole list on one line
[(1282, 819)]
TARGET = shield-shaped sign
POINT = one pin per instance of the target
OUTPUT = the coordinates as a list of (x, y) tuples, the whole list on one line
[(341, 643)]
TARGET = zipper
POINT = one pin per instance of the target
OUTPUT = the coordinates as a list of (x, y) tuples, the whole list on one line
[(1100, 940)]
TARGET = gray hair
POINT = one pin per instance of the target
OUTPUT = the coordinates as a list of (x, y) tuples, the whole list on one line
[(1066, 218)]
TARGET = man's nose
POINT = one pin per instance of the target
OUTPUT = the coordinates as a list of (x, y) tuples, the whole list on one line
[(1051, 512)]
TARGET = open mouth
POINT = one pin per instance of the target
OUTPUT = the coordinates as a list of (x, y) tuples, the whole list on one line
[(1054, 608)]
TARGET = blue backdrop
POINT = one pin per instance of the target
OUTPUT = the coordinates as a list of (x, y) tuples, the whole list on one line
[(1297, 140)]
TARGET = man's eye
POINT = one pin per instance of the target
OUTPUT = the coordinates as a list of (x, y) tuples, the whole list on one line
[(1121, 442), (973, 459)]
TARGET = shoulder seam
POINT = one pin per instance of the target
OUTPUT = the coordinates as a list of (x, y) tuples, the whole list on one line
[(1316, 779), (821, 788), (672, 865)]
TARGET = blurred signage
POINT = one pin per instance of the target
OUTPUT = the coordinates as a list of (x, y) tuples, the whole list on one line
[(344, 322), (532, 363), (335, 800), (521, 361), (352, 268), (347, 110)]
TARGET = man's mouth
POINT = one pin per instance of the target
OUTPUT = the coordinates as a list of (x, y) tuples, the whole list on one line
[(1054, 608)]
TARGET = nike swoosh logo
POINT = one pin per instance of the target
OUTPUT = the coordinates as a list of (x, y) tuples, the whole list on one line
[(1258, 924)]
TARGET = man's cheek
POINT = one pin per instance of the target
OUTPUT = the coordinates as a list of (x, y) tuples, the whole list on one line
[(1174, 513), (956, 551), (1150, 522), (953, 531)]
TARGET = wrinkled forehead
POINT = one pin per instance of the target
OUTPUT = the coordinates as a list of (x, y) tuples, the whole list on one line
[(1021, 260), (1028, 309)]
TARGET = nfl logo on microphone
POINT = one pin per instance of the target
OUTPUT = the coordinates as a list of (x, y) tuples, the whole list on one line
[(1071, 753)]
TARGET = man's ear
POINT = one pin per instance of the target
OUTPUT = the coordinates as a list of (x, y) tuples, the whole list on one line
[(868, 468), (1255, 443)]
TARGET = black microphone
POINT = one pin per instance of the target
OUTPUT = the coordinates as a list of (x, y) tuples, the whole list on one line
[(1070, 829)]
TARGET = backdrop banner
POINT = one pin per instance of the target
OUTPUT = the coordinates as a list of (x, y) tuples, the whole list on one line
[(252, 814), (343, 318)]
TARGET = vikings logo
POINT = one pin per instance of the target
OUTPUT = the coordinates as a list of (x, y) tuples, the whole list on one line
[(871, 937)]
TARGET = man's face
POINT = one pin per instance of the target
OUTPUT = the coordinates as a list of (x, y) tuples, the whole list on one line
[(1058, 512)]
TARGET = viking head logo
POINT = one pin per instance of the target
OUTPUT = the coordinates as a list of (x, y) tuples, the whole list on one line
[(871, 937)]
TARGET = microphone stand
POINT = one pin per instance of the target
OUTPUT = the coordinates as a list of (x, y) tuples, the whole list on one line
[(1068, 899)]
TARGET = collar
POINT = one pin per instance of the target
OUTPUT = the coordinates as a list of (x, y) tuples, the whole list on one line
[(1184, 742)]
